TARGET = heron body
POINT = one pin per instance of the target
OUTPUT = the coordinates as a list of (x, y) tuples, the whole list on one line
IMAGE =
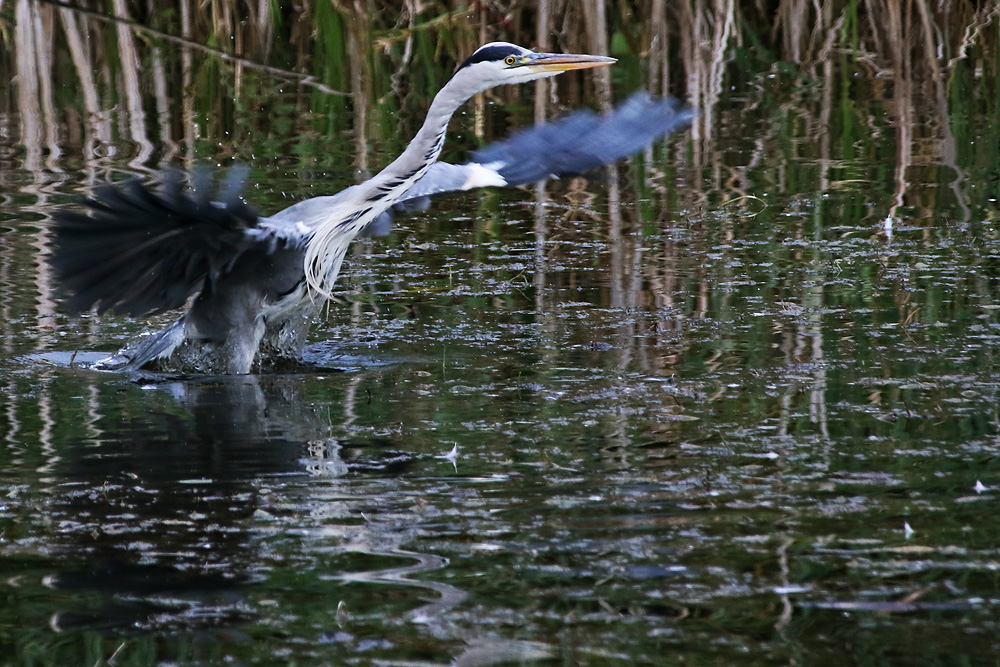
[(258, 282)]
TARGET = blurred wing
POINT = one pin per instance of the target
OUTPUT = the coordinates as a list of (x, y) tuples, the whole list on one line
[(140, 252), (576, 144), (584, 140)]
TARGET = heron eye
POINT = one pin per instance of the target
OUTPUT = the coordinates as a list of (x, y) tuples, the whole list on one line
[(510, 60)]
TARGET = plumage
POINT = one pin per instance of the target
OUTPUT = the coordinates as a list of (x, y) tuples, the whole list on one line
[(143, 253), (255, 283)]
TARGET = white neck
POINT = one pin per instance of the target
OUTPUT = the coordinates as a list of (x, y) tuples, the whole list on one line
[(331, 238), (420, 154)]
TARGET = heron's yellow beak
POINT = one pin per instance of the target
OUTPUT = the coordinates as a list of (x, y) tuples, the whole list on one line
[(563, 62)]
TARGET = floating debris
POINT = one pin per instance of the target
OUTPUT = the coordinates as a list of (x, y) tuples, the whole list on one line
[(451, 456)]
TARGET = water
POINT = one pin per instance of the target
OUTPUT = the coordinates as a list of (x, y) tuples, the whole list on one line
[(714, 410)]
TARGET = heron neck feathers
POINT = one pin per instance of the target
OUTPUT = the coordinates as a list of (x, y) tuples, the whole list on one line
[(331, 237)]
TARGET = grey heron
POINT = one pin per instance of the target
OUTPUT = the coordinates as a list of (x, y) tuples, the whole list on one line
[(255, 283)]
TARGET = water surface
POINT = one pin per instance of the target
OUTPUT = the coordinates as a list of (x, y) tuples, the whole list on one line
[(732, 403)]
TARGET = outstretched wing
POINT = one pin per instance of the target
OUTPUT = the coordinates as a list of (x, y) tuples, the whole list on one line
[(576, 144), (583, 140), (141, 252)]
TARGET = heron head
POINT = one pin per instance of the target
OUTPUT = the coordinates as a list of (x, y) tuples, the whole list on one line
[(498, 63)]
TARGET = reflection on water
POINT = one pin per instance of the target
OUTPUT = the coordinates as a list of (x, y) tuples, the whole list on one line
[(737, 398)]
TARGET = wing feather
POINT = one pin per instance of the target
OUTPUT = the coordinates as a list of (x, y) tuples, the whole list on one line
[(140, 252), (576, 144)]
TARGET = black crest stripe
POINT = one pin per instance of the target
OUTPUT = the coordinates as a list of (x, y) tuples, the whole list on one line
[(496, 52)]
